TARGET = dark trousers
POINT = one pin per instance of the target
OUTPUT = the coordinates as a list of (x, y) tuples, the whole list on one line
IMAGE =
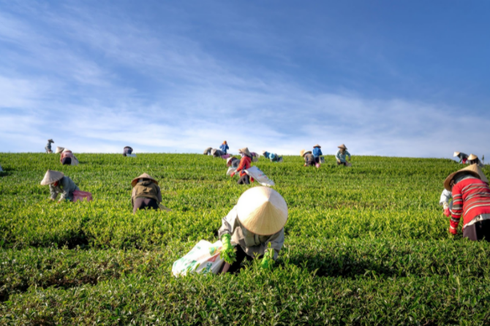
[(244, 180), (142, 203), (237, 265), (342, 163), (317, 159), (478, 231), (66, 161)]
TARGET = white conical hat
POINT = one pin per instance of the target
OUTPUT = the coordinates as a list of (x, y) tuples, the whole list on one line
[(456, 154), (473, 169), (262, 210), (51, 176), (472, 157)]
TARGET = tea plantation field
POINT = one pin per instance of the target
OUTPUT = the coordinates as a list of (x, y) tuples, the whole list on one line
[(366, 245)]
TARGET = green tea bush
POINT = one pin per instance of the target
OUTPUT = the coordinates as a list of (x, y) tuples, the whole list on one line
[(366, 245)]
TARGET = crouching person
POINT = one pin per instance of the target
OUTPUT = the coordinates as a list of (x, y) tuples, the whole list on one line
[(146, 193), (59, 184), (127, 151), (256, 221)]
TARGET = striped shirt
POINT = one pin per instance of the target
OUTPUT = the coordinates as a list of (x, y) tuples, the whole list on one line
[(471, 197)]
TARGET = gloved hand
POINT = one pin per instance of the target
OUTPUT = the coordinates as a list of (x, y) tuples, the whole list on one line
[(268, 259), (453, 231), (446, 212), (232, 174), (227, 252)]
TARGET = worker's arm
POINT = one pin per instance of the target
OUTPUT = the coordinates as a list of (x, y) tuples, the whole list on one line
[(456, 210)]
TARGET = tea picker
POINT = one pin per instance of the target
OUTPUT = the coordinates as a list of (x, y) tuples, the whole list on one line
[(462, 157), (146, 193), (128, 151), (224, 147), (317, 153), (67, 158), (245, 163), (232, 164), (341, 156), (273, 157), (308, 157), (61, 184), (471, 200), (473, 159), (48, 146), (254, 228)]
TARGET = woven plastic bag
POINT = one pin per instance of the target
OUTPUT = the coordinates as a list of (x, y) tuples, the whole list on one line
[(203, 258), (259, 176), (81, 195)]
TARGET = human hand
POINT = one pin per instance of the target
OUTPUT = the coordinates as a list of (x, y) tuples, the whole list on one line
[(453, 231), (232, 174), (227, 251), (268, 259), (446, 212)]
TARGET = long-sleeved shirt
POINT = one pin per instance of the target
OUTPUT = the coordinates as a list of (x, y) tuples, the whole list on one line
[(234, 162), (251, 243), (65, 187), (224, 148), (471, 197), (146, 189), (244, 164), (273, 157), (317, 151), (127, 150), (74, 160), (341, 156), (48, 146), (446, 196), (309, 159)]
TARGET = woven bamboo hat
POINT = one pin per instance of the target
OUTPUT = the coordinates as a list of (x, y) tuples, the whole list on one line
[(456, 154), (245, 151), (472, 157), (228, 160), (302, 152), (472, 169), (317, 146), (342, 146), (262, 210), (51, 177), (66, 150), (143, 176)]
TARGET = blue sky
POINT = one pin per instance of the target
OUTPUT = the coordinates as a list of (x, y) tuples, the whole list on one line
[(397, 78)]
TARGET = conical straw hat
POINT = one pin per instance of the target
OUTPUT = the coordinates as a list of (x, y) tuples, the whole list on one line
[(317, 146), (472, 157), (66, 150), (245, 151), (143, 176), (262, 210), (302, 152), (342, 146), (456, 154), (473, 169), (51, 176)]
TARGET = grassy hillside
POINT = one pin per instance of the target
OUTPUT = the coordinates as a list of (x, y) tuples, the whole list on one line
[(366, 245)]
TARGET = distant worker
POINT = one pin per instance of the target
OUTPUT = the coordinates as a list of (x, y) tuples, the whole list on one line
[(257, 220), (59, 184), (233, 162), (127, 151), (317, 152), (224, 147), (48, 146), (462, 157), (341, 155), (245, 163), (471, 199), (308, 156), (207, 151), (273, 157), (473, 159), (67, 158), (146, 193)]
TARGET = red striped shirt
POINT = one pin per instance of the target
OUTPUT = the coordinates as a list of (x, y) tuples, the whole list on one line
[(471, 197)]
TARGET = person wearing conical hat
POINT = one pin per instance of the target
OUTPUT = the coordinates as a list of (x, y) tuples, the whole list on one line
[(471, 200), (232, 162), (48, 146), (224, 147), (127, 150), (308, 157), (245, 163), (257, 220), (67, 158), (341, 155), (317, 152), (207, 151), (59, 184), (146, 193), (273, 157), (473, 159), (462, 157)]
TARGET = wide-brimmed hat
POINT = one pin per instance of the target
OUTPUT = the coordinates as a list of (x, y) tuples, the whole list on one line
[(229, 159), (59, 149), (143, 176), (472, 157), (262, 210), (66, 150), (456, 154), (317, 146), (245, 151), (342, 146), (472, 169), (51, 177), (50, 140)]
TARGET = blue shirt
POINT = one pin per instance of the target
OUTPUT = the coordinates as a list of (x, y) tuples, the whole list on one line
[(341, 157), (224, 148), (317, 151)]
